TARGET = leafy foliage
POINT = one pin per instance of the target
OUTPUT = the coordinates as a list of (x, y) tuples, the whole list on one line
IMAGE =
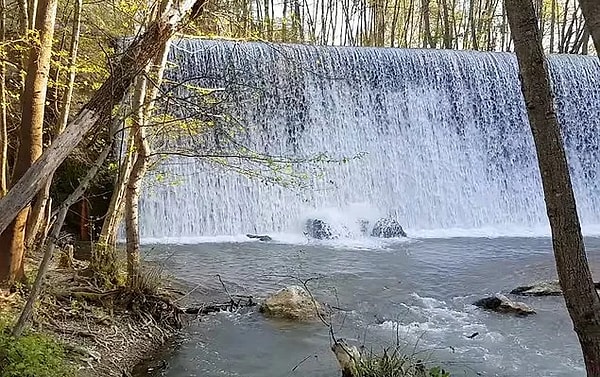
[(31, 355)]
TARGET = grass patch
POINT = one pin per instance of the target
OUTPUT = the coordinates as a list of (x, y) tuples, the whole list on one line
[(31, 355), (393, 363)]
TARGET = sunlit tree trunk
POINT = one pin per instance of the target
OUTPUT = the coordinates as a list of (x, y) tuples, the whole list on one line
[(12, 239), (36, 217), (580, 294), (144, 99), (3, 108)]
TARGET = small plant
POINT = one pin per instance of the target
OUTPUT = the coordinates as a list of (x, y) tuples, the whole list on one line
[(391, 363), (31, 355)]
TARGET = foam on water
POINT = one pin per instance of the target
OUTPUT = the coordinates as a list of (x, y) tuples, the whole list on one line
[(447, 149)]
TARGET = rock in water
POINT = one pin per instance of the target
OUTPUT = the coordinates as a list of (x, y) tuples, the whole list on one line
[(542, 288), (263, 238), (319, 229), (387, 228), (502, 304), (293, 303)]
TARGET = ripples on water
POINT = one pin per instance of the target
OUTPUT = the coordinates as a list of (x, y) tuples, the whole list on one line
[(421, 288)]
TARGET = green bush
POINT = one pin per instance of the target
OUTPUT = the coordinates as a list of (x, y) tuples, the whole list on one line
[(31, 355)]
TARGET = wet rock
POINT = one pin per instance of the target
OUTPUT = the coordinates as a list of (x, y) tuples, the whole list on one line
[(319, 229), (542, 288), (502, 304), (263, 238), (387, 228), (293, 303)]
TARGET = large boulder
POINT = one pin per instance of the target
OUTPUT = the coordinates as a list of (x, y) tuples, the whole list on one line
[(293, 303), (319, 229), (542, 288), (502, 304), (387, 228)]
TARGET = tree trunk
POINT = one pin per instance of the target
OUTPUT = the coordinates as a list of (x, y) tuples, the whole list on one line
[(143, 106), (574, 274), (95, 113), (3, 118), (591, 13), (32, 120), (140, 158), (36, 216)]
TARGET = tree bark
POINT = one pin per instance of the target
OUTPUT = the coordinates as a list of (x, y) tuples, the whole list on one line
[(580, 295), (144, 105), (141, 151), (95, 113), (3, 106), (591, 13), (32, 120), (36, 216)]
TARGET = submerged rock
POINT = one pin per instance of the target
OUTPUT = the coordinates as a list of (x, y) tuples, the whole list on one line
[(387, 228), (264, 238), (542, 288), (502, 304), (293, 303), (319, 229)]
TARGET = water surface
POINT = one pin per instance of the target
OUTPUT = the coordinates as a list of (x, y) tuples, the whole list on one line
[(421, 288)]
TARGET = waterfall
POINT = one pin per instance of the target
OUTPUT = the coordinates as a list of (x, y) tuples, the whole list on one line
[(437, 139)]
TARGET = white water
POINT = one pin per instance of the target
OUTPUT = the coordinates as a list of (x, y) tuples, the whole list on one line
[(448, 149)]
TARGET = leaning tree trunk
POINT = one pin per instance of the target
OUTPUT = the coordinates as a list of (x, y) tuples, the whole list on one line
[(97, 112), (591, 13), (12, 238), (574, 274)]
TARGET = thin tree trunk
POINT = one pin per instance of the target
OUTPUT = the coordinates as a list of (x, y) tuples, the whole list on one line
[(591, 13), (12, 239), (54, 235), (580, 295), (97, 111), (36, 217), (3, 106), (144, 104), (138, 171), (23, 17)]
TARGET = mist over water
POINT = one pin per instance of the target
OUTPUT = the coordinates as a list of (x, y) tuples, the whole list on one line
[(443, 135)]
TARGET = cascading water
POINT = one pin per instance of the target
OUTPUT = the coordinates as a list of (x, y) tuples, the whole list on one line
[(444, 135)]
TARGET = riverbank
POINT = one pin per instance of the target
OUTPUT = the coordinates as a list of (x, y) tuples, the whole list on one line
[(100, 333)]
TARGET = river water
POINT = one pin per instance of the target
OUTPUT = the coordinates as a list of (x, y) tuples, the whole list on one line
[(419, 290)]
